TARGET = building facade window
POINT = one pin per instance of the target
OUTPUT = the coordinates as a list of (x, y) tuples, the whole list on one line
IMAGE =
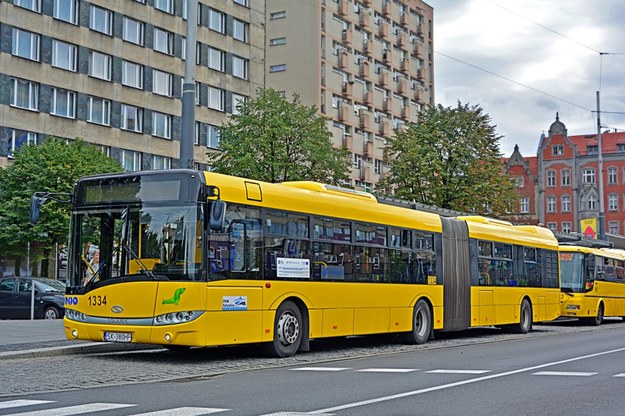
[(551, 204), (25, 44), (245, 3), (162, 83), (566, 227), (99, 111), (66, 10), (592, 149), (592, 203), (551, 178), (613, 227), (131, 161), (277, 68), (237, 101), (64, 55), (524, 205), (216, 98), (565, 177), (132, 118), (566, 203), (240, 30), (553, 226), (161, 162), (161, 125), (588, 175), (277, 41), (557, 150), (613, 202), (612, 175), (19, 139), (24, 94), (132, 74), (100, 65), (101, 20), (213, 137), (34, 5), (63, 103), (166, 6), (239, 67), (216, 59), (163, 41), (216, 21), (278, 15), (133, 31)]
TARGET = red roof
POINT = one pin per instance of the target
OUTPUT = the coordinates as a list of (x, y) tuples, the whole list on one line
[(609, 142)]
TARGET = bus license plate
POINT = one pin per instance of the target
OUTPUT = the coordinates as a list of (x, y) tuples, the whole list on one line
[(118, 336)]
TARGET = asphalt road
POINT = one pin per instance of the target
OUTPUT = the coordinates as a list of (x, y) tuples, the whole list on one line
[(557, 369)]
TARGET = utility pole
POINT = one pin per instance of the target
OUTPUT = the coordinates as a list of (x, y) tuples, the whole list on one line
[(188, 90), (600, 168)]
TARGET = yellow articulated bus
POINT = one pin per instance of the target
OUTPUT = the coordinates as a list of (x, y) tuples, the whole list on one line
[(195, 259), (592, 283)]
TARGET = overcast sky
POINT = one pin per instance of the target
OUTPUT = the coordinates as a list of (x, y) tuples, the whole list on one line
[(522, 61)]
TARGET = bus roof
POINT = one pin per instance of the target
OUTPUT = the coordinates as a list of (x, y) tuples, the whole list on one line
[(485, 228), (601, 252)]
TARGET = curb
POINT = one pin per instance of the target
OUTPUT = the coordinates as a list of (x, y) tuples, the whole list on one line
[(87, 348)]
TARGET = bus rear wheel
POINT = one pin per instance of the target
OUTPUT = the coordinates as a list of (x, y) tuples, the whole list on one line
[(421, 324), (287, 332), (525, 320)]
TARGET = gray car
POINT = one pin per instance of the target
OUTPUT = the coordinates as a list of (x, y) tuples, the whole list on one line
[(16, 296)]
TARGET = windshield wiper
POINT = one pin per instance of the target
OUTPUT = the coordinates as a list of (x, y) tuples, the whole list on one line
[(567, 290), (148, 272)]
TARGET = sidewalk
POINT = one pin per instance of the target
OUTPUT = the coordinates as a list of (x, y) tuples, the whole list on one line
[(46, 337)]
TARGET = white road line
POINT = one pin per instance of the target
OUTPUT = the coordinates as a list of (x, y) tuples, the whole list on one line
[(619, 375), (460, 383), (320, 369), (564, 373), (297, 414), (184, 411), (19, 403), (458, 371), (75, 410), (387, 370)]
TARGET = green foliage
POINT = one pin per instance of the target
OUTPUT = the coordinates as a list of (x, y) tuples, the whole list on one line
[(52, 166), (273, 139), (450, 159)]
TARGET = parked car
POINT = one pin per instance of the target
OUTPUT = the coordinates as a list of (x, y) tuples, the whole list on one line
[(16, 293)]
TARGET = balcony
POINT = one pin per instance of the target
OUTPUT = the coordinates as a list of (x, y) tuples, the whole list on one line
[(383, 80), (347, 36), (405, 112), (367, 46), (402, 39), (364, 69), (343, 7), (384, 128), (343, 113), (365, 173), (343, 60), (346, 88), (419, 50), (386, 8), (421, 74), (367, 149), (364, 121), (387, 56), (368, 97), (402, 85), (405, 65), (348, 142), (383, 29), (365, 18), (403, 18), (387, 105), (419, 95)]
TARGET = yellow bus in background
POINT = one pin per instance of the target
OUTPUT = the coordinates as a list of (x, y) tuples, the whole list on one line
[(196, 259), (592, 283)]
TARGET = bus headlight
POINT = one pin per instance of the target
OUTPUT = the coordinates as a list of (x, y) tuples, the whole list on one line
[(172, 318), (73, 315)]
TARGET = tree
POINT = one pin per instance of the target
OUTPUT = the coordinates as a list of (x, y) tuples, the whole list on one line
[(53, 166), (450, 159), (273, 139)]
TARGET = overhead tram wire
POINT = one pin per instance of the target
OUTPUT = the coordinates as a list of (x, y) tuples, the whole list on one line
[(514, 82)]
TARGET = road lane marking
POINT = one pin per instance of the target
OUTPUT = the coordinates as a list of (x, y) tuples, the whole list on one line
[(564, 373), (460, 383), (619, 375), (19, 403), (297, 414), (441, 371), (184, 411), (319, 369), (387, 370), (75, 410)]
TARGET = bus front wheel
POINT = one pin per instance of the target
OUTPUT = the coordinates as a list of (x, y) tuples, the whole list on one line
[(287, 332), (597, 320), (525, 320), (421, 324)]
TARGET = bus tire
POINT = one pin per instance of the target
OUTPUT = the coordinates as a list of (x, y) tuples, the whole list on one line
[(597, 320), (525, 319), (421, 324), (287, 332)]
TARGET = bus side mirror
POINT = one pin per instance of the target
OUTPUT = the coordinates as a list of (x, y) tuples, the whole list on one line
[(35, 207), (217, 215)]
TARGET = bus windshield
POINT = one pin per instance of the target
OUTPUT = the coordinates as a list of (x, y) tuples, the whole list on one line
[(151, 242), (571, 272)]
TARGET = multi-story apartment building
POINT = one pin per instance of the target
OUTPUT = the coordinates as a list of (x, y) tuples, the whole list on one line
[(561, 183), (366, 64), (111, 72)]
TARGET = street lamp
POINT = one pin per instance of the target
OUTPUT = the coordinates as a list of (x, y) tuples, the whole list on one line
[(600, 168)]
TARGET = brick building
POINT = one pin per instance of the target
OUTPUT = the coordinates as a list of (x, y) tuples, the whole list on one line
[(560, 186)]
